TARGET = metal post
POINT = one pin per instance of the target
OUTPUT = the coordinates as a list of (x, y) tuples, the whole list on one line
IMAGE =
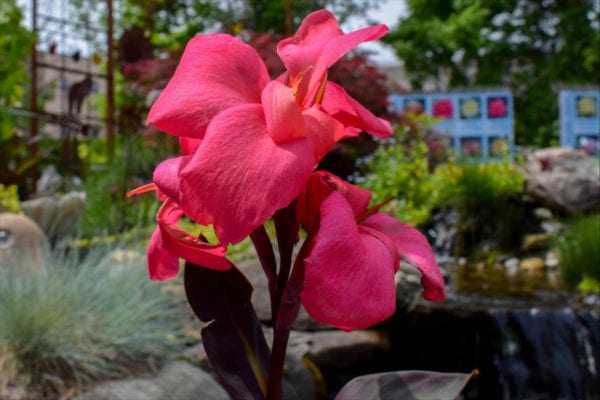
[(33, 122), (110, 107)]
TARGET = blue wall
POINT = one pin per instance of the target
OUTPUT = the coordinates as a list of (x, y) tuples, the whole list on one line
[(479, 123), (580, 119)]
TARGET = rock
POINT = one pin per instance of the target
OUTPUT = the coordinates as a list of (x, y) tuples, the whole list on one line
[(183, 381), (542, 213), (553, 158), (536, 241), (338, 349), (564, 179), (197, 356), (551, 226), (552, 259), (298, 379), (23, 245), (127, 389), (56, 215), (512, 263), (178, 380), (260, 293), (50, 182), (532, 264)]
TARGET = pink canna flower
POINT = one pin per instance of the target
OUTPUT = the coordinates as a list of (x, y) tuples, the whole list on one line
[(307, 55), (250, 144), (349, 274)]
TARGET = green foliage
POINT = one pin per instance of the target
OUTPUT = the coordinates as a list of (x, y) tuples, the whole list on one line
[(15, 44), (485, 197), (399, 169), (17, 160), (172, 23), (269, 15), (107, 210), (529, 45), (77, 320), (579, 249), (471, 186), (9, 199)]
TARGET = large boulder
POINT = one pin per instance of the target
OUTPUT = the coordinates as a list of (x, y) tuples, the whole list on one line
[(23, 244), (178, 380), (564, 179)]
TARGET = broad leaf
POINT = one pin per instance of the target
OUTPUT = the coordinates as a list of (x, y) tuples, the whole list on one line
[(405, 385), (232, 336)]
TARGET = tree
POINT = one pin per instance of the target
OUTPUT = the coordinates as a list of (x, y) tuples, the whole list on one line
[(530, 45), (16, 159), (15, 45), (284, 16)]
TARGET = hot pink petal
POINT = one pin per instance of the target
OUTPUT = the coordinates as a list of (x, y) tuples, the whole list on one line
[(388, 242), (168, 243), (240, 176), (415, 248), (338, 104), (189, 145), (216, 71), (318, 44), (283, 115), (323, 130), (162, 263), (318, 187), (166, 176), (349, 277), (358, 198)]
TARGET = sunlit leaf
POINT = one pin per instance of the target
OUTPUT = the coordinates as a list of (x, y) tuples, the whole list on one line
[(405, 385)]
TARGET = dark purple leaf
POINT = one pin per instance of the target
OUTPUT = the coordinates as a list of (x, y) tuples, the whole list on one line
[(405, 385), (232, 337)]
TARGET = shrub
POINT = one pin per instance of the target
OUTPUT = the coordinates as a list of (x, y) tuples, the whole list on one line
[(400, 168), (486, 199), (107, 182), (467, 186), (579, 250), (9, 199), (77, 321)]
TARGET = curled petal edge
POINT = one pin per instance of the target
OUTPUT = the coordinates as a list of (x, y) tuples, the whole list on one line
[(186, 246), (415, 249)]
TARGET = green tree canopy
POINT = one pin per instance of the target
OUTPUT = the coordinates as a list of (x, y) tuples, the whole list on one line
[(15, 45), (171, 23), (530, 45)]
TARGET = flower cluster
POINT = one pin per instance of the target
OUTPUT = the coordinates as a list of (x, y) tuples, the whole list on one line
[(249, 148)]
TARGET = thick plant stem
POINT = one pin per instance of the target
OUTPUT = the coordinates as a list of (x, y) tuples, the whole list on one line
[(287, 235), (288, 312), (278, 350), (286, 301)]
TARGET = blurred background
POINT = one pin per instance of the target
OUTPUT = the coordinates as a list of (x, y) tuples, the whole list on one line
[(496, 111)]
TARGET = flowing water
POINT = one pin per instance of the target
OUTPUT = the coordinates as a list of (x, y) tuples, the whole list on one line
[(528, 338)]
